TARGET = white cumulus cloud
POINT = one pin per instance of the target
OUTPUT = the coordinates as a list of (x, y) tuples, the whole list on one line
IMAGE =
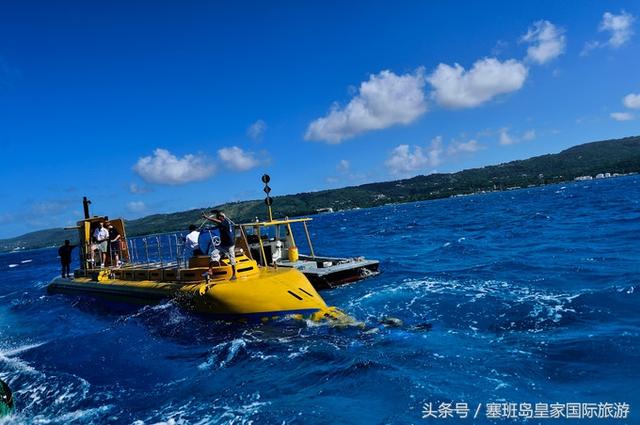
[(237, 159), (138, 189), (345, 174), (165, 168), (455, 87), (632, 101), (505, 138), (136, 206), (619, 26), (257, 129), (529, 135), (546, 41), (464, 147), (406, 159), (343, 166), (386, 99), (622, 116)]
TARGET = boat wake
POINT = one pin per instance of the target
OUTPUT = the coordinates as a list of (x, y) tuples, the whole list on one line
[(12, 364), (44, 397), (495, 306), (239, 411)]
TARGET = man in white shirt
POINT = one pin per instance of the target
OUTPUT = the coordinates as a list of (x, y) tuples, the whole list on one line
[(101, 236), (191, 242)]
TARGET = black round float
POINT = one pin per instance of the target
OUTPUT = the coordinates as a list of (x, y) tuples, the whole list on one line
[(6, 399)]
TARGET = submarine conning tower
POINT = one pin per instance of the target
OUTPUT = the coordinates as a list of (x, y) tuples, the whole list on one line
[(86, 228)]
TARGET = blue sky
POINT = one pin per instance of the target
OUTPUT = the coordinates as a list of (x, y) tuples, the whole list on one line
[(150, 107)]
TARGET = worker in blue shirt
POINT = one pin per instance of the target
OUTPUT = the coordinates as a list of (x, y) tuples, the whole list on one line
[(227, 237)]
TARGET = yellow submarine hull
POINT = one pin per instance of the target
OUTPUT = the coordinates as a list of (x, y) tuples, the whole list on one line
[(261, 293)]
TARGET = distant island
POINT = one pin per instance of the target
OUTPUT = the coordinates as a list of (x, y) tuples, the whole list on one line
[(590, 160)]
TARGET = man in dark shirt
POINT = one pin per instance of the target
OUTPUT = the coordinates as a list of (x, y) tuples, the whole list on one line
[(227, 237), (114, 245), (65, 257)]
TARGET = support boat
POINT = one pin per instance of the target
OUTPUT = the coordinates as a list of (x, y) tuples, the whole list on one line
[(272, 242)]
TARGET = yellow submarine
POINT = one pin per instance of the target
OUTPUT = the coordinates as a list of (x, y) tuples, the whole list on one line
[(258, 292)]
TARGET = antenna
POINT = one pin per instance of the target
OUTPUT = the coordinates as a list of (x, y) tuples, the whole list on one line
[(268, 200)]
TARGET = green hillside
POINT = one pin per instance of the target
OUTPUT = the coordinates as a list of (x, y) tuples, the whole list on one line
[(610, 156)]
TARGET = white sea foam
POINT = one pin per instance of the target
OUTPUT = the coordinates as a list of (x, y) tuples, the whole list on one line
[(70, 392), (544, 305), (13, 265), (262, 356), (176, 316), (217, 412), (241, 414), (13, 351), (80, 416), (300, 352), (47, 399), (9, 357), (224, 353), (26, 261)]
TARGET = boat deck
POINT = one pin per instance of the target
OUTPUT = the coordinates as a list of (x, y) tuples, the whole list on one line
[(329, 272)]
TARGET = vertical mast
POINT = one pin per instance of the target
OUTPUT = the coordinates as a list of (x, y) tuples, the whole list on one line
[(268, 200), (85, 206)]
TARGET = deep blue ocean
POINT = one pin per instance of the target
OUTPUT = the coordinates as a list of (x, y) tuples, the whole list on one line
[(525, 296)]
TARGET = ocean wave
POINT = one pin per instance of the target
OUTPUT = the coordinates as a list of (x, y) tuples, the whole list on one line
[(80, 416), (224, 354), (496, 305), (9, 359), (44, 398), (242, 410), (167, 309)]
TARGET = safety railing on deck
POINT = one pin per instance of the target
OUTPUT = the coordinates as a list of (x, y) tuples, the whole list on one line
[(158, 251), (165, 250)]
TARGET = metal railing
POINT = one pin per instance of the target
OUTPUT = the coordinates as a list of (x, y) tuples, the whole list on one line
[(166, 250)]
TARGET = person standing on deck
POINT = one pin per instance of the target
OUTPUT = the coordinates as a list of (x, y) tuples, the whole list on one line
[(227, 237), (114, 244), (101, 236), (65, 257), (191, 241)]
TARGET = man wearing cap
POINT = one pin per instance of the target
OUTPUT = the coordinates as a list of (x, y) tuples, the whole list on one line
[(227, 237)]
